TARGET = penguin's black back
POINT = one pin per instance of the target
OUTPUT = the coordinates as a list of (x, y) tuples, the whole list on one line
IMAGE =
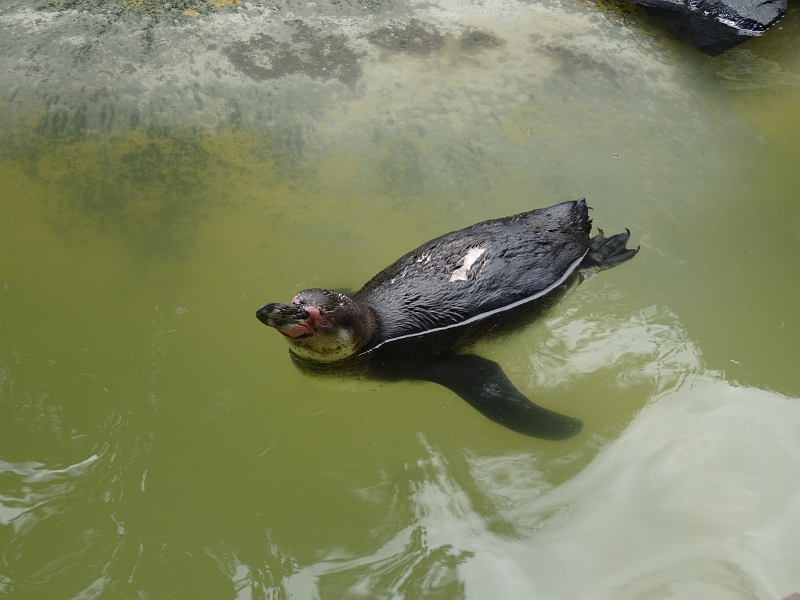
[(474, 271)]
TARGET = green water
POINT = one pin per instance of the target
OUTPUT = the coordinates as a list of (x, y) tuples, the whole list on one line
[(156, 442)]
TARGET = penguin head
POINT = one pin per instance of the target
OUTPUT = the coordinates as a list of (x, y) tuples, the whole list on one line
[(321, 325)]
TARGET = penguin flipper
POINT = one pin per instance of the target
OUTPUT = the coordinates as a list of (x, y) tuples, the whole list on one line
[(483, 384)]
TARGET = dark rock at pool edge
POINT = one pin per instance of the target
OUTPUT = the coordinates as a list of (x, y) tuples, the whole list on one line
[(714, 26)]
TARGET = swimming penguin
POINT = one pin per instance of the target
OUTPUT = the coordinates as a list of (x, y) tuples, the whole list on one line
[(419, 318)]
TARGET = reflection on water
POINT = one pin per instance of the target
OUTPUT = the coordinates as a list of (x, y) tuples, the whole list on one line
[(24, 500), (156, 442), (685, 504), (259, 576), (649, 347)]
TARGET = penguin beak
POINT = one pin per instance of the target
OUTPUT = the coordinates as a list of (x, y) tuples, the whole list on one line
[(288, 319)]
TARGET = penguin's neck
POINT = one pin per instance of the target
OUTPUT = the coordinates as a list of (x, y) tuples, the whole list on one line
[(362, 322)]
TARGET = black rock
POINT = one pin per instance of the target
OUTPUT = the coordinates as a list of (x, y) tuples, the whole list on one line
[(714, 26)]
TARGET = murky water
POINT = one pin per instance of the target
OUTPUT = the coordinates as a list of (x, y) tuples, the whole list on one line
[(156, 442)]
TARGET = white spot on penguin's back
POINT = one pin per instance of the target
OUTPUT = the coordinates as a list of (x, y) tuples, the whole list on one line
[(470, 258)]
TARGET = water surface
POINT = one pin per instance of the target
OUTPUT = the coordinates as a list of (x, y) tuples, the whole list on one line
[(155, 441)]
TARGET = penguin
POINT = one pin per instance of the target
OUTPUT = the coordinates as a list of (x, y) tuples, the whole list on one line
[(422, 316)]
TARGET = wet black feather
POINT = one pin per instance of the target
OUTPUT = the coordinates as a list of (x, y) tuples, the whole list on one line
[(523, 255)]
